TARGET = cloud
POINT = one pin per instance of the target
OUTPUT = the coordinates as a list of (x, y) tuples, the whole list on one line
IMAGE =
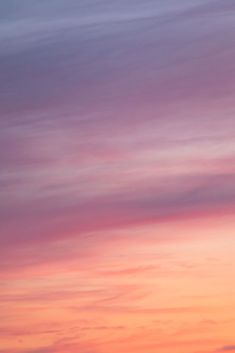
[(228, 348), (117, 120), (41, 228)]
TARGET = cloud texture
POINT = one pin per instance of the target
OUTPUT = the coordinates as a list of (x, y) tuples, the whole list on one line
[(117, 197)]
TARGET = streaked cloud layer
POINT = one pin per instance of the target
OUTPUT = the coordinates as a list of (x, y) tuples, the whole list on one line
[(117, 177)]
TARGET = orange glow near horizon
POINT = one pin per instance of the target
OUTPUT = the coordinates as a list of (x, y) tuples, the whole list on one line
[(138, 296)]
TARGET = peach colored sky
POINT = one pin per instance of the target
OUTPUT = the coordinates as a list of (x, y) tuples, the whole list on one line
[(117, 180)]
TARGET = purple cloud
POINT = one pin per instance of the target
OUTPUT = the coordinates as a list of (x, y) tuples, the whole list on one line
[(228, 348)]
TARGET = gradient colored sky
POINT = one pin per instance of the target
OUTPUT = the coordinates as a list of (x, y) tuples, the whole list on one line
[(117, 179)]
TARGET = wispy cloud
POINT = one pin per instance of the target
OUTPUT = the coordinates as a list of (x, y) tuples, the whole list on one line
[(117, 175)]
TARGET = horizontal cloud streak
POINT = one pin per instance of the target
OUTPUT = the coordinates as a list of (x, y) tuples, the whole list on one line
[(117, 176), (228, 348)]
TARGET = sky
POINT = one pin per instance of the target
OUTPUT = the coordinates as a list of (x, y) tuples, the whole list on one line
[(117, 177)]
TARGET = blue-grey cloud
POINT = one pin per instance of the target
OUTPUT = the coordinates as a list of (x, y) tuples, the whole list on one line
[(85, 85)]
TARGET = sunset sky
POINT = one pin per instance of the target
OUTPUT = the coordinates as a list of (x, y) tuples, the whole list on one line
[(117, 176)]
